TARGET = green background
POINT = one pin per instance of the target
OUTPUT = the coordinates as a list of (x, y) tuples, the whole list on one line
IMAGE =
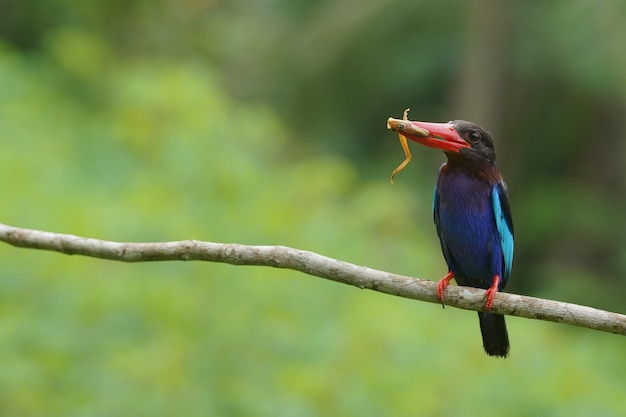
[(263, 123)]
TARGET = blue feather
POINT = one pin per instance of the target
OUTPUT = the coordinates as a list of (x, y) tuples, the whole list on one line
[(436, 208), (503, 223)]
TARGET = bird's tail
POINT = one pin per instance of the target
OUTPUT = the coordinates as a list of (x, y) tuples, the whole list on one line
[(495, 336)]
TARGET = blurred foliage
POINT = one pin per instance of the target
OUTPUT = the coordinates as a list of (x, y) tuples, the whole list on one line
[(262, 123)]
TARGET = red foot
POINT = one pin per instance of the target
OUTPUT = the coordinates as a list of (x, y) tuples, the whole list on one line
[(443, 283), (490, 294)]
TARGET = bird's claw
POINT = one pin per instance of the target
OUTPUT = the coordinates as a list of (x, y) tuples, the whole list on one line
[(442, 284), (490, 294)]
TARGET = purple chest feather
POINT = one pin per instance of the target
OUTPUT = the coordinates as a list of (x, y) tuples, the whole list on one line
[(467, 227)]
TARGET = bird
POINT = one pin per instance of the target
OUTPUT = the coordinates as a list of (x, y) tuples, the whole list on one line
[(472, 215)]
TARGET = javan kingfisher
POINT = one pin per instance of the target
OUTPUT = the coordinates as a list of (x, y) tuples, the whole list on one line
[(471, 214)]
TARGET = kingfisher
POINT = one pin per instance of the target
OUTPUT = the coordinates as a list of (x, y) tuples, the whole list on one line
[(471, 213)]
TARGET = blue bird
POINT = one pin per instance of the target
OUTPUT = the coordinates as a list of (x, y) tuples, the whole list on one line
[(472, 215)]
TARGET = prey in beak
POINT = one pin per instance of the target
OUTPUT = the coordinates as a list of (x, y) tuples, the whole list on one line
[(434, 135)]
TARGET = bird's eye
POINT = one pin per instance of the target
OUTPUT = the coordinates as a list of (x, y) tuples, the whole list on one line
[(474, 137)]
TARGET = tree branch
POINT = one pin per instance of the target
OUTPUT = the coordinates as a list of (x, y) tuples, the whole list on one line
[(313, 264)]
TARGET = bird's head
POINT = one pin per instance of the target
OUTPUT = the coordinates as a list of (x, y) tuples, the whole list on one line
[(460, 140)]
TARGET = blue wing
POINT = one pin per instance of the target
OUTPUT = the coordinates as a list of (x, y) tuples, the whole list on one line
[(504, 223), (442, 239), (436, 215)]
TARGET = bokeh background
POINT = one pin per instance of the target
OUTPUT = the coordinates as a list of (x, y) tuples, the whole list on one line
[(263, 122)]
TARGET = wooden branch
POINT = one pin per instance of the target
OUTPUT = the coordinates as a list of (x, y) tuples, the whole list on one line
[(313, 264)]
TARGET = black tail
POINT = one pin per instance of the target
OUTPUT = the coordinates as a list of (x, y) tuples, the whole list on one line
[(495, 336)]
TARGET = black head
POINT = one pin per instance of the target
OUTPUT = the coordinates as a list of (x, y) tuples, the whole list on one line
[(481, 148)]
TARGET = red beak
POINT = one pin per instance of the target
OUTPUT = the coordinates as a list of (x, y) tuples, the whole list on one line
[(434, 135)]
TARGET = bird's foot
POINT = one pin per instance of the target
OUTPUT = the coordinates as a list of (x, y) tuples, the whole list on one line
[(443, 284), (490, 294)]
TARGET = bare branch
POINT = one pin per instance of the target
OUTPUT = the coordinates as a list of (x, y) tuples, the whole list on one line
[(313, 264)]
